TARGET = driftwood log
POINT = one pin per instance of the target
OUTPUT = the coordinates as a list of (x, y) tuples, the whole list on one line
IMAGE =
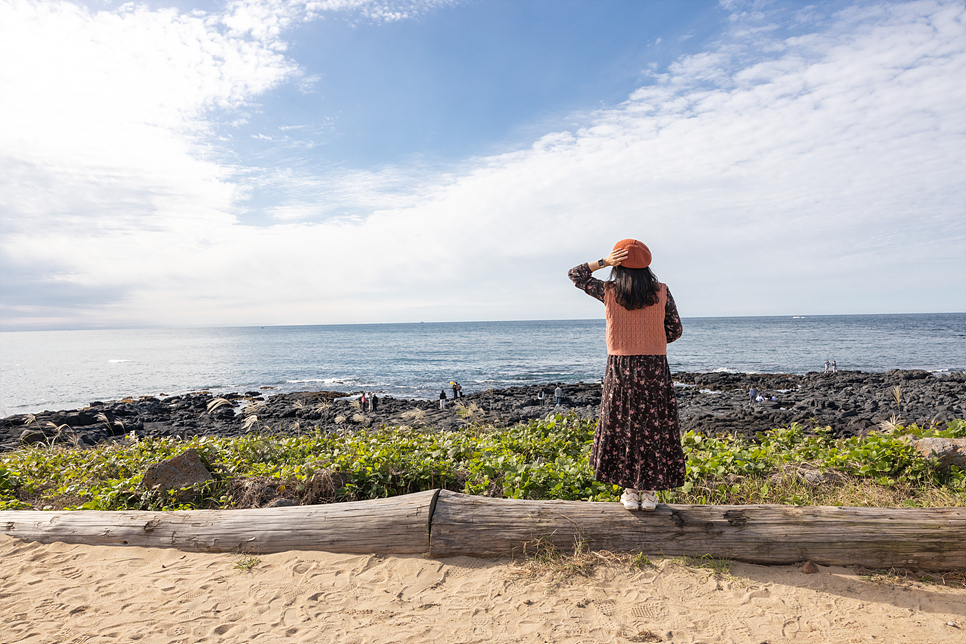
[(918, 538), (440, 523), (397, 525)]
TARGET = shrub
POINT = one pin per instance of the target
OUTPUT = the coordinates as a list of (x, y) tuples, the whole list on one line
[(544, 459)]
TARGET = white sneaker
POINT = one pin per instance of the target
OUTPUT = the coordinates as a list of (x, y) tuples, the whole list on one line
[(648, 501), (631, 500)]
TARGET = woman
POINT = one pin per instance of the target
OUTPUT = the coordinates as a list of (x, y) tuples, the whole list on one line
[(637, 444)]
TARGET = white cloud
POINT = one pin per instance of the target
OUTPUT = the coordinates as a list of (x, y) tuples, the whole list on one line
[(821, 173), (105, 112)]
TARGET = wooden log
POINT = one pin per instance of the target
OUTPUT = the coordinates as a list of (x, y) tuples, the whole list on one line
[(916, 538), (444, 524), (398, 525)]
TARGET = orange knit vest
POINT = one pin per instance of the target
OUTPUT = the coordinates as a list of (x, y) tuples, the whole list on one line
[(639, 332)]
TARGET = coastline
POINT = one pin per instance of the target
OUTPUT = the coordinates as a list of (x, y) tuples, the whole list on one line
[(850, 402), (67, 592), (69, 369)]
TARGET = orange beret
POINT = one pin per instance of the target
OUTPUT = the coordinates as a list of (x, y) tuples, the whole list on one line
[(638, 255)]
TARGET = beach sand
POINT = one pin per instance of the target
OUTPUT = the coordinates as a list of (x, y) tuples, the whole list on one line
[(88, 594)]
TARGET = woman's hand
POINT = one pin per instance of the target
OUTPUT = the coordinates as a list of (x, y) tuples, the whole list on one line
[(616, 256)]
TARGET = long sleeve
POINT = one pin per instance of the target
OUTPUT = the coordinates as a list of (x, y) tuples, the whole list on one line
[(672, 321), (583, 278)]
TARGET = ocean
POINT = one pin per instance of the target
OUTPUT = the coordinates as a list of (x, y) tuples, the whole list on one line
[(53, 370)]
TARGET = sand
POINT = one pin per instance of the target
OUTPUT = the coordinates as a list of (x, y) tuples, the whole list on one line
[(87, 594)]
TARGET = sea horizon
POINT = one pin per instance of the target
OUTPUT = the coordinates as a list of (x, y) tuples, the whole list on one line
[(353, 324), (67, 369)]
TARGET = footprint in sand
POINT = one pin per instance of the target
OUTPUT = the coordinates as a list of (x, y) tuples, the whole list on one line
[(481, 618), (649, 609), (72, 596), (605, 607), (462, 566), (135, 562), (728, 623), (45, 606), (176, 631), (71, 636), (790, 628), (71, 573), (294, 591)]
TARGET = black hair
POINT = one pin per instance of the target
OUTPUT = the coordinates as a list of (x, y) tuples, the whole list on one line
[(634, 288)]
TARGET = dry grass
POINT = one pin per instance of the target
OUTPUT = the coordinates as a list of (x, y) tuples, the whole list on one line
[(216, 403), (544, 562), (416, 417), (540, 560), (471, 412), (246, 563), (259, 491), (904, 577), (866, 493), (788, 488)]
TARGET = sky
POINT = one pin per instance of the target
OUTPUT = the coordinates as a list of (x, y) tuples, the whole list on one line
[(282, 162)]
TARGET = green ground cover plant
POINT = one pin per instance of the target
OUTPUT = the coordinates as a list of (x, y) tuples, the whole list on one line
[(546, 459)]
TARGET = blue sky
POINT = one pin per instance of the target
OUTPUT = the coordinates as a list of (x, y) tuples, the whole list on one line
[(461, 81), (340, 161), (475, 78)]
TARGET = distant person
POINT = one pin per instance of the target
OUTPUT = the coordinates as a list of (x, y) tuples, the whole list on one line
[(753, 393), (541, 398), (363, 402), (455, 389), (826, 366), (835, 367), (442, 399), (558, 394), (373, 402), (637, 444)]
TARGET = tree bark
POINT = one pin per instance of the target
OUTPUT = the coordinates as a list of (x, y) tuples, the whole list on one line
[(444, 524), (397, 525), (916, 538)]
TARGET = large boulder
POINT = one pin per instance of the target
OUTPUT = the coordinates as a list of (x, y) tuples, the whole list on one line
[(184, 470), (949, 451), (34, 435)]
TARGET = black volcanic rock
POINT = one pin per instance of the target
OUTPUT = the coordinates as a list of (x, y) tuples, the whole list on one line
[(849, 402)]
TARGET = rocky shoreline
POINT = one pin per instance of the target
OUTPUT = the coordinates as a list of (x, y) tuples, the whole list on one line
[(849, 402)]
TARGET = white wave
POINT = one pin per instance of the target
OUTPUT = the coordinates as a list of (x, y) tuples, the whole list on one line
[(348, 380), (117, 361)]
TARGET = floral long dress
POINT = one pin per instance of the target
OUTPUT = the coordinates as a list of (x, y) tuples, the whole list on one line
[(638, 439)]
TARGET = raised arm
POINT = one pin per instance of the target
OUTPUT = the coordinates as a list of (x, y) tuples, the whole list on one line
[(672, 321), (582, 276)]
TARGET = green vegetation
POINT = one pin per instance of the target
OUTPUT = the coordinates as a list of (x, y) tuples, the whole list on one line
[(545, 459), (246, 562)]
